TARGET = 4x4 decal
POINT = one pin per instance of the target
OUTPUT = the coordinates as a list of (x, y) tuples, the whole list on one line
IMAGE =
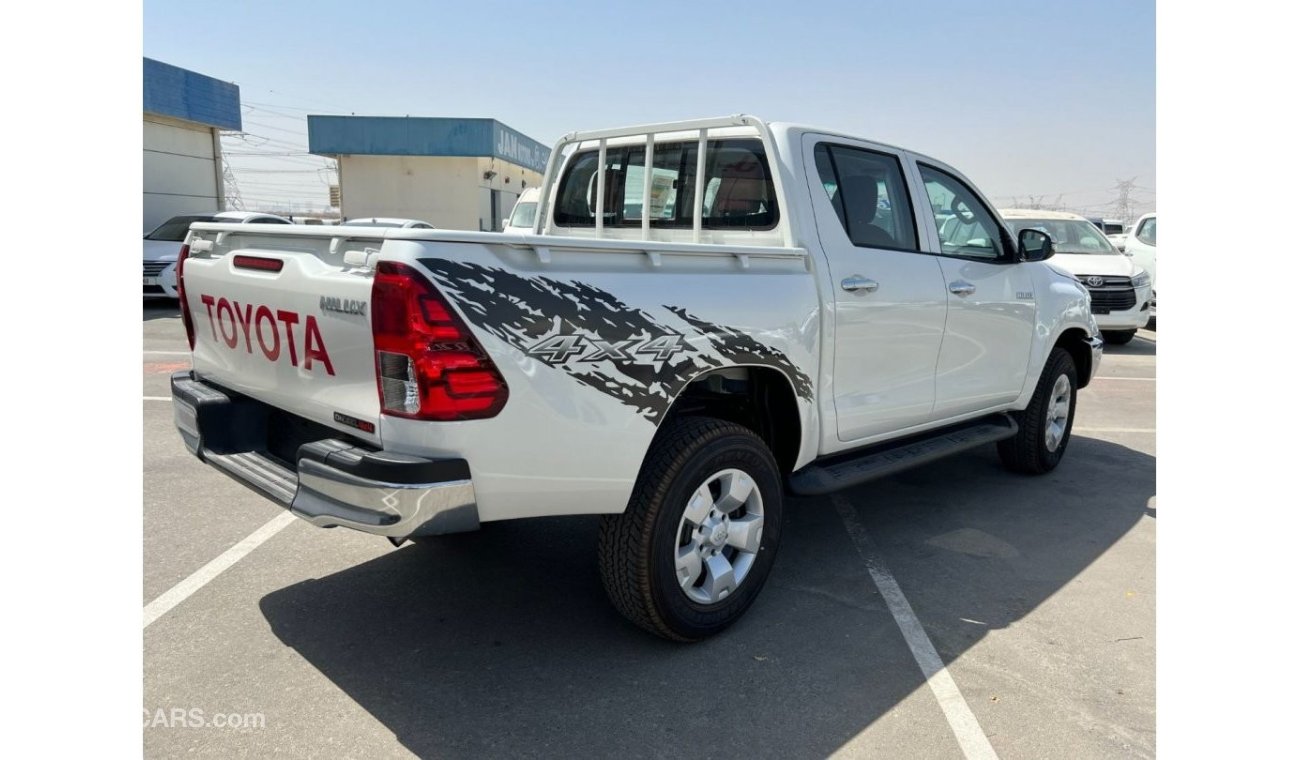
[(627, 353), (558, 349)]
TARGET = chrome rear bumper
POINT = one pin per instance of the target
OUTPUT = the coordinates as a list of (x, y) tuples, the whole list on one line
[(329, 482)]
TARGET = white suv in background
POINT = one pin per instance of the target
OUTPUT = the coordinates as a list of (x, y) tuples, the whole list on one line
[(525, 211), (1121, 289), (163, 245), (1141, 245)]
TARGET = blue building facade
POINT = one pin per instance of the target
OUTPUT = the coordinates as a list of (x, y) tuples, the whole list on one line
[(187, 95), (423, 136)]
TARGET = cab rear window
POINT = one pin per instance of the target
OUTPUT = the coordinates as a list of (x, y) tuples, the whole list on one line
[(738, 189)]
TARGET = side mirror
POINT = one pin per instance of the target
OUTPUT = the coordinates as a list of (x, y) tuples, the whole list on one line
[(1036, 245)]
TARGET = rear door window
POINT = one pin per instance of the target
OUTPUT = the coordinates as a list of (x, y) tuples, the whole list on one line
[(869, 195)]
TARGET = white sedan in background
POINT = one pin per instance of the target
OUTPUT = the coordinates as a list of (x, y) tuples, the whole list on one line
[(388, 221), (1121, 290), (163, 245)]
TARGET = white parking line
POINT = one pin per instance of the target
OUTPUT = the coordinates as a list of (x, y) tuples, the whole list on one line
[(157, 398), (182, 591), (1112, 430), (974, 744)]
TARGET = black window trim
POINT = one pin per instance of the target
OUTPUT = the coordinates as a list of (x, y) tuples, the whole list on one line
[(907, 188), (625, 152), (1010, 253)]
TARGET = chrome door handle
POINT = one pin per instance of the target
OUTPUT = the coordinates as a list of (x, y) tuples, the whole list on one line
[(961, 288), (858, 282)]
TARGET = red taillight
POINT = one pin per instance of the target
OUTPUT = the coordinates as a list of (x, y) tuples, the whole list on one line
[(427, 363), (180, 291)]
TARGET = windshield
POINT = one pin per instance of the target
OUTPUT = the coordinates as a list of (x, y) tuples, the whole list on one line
[(1070, 235), (173, 230), (524, 214)]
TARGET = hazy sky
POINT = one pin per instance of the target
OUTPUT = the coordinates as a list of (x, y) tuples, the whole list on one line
[(1039, 98)]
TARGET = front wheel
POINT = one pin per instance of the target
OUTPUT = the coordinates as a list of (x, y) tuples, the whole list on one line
[(1117, 337), (698, 538), (1045, 425)]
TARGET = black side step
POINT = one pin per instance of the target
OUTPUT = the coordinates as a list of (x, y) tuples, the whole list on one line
[(878, 461)]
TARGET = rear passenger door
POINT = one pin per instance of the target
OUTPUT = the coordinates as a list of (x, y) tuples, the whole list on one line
[(991, 307), (888, 297)]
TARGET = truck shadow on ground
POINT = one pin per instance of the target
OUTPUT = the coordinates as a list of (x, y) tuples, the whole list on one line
[(162, 309), (502, 643), (1139, 346)]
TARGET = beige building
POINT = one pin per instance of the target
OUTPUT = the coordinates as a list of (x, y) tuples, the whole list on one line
[(452, 173), (184, 113)]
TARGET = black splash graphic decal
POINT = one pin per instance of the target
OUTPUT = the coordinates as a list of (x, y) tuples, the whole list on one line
[(598, 339), (741, 348)]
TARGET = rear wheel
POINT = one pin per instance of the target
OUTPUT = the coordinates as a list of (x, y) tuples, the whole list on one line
[(1046, 423), (699, 536), (1118, 337)]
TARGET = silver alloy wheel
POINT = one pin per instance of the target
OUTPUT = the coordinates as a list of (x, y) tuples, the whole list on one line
[(718, 536), (1058, 412)]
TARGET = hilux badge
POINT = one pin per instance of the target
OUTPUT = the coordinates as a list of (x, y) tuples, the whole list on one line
[(343, 305)]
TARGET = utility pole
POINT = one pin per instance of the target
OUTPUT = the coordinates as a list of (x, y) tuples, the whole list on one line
[(1123, 205), (234, 202)]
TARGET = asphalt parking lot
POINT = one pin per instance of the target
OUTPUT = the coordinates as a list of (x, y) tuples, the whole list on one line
[(1037, 593)]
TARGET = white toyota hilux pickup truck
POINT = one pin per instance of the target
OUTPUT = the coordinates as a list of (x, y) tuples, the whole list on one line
[(767, 309)]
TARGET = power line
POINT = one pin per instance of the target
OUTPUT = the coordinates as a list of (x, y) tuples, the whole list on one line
[(258, 141), (286, 106), (277, 129)]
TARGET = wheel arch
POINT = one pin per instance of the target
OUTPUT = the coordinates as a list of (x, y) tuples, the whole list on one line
[(1074, 341), (759, 397)]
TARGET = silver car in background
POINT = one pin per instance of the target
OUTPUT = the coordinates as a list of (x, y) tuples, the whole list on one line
[(163, 245)]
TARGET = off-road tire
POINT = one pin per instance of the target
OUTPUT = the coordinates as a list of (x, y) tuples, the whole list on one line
[(1027, 451), (637, 547)]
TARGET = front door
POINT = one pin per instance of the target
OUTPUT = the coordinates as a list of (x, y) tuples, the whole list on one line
[(889, 297), (991, 307)]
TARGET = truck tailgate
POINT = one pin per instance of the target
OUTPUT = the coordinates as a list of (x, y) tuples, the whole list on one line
[(283, 319)]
